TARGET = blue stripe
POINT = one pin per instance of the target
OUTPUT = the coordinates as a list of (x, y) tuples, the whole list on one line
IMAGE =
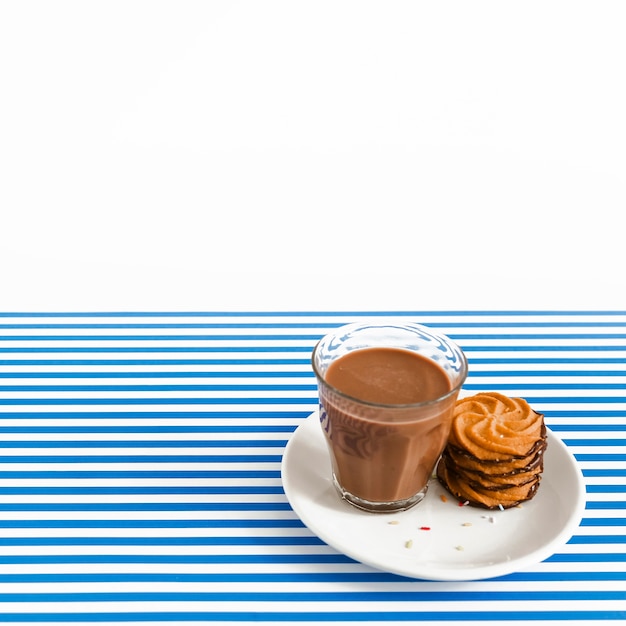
[(193, 337), (316, 313), (261, 415), (306, 361), (539, 348), (592, 428), (606, 488), (147, 490), (148, 374), (204, 578), (213, 559), (301, 324), (608, 505), (292, 577), (302, 337), (306, 387), (313, 596), (577, 399), (271, 349), (600, 521), (332, 558), (529, 386), (148, 401), (153, 388), (164, 350), (499, 373), (277, 401), (290, 415), (225, 325), (544, 360), (152, 443), (162, 541), (222, 459), (270, 428), (600, 457), (178, 523), (529, 336), (147, 506), (604, 473), (583, 557), (121, 577), (531, 324), (223, 558), (54, 362), (577, 413), (151, 415), (562, 576), (312, 387), (291, 617), (614, 443), (204, 458), (63, 474)]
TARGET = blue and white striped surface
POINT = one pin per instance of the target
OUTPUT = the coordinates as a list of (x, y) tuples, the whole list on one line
[(140, 470)]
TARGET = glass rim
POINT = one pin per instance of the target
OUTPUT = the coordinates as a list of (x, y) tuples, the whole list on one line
[(413, 405)]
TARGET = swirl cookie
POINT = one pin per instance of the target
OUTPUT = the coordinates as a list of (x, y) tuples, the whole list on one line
[(494, 455)]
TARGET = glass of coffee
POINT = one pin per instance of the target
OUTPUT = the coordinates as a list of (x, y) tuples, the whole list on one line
[(387, 392)]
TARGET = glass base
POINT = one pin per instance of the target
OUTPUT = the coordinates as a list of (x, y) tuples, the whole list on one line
[(379, 507)]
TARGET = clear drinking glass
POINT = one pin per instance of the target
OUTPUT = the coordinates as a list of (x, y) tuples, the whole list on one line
[(383, 455)]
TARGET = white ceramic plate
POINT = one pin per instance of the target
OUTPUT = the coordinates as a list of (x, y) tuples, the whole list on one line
[(435, 540)]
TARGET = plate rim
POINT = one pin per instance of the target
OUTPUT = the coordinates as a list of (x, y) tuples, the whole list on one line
[(469, 573)]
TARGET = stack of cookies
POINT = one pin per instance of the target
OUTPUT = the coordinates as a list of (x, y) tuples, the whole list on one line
[(494, 455)]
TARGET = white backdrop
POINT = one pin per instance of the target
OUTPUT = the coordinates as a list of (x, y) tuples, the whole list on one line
[(319, 154)]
